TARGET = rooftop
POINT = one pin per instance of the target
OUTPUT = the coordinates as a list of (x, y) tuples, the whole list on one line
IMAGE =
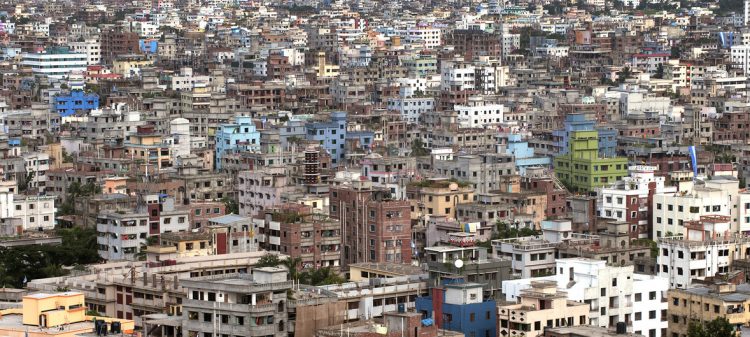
[(392, 268)]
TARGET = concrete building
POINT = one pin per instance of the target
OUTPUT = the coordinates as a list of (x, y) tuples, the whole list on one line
[(524, 155), (583, 169), (706, 303), (75, 101), (261, 189), (630, 199), (56, 63), (479, 114), (671, 211), (238, 304), (477, 267), (241, 135), (295, 231), (437, 197), (538, 308), (683, 261), (614, 293), (387, 237), (331, 135), (459, 306), (121, 234)]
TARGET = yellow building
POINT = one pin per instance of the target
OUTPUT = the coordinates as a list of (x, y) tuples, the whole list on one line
[(53, 315), (706, 303), (325, 70), (437, 197), (183, 244), (541, 306), (48, 310), (130, 65), (147, 146)]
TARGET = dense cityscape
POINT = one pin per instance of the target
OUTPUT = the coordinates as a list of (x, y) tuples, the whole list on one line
[(366, 168)]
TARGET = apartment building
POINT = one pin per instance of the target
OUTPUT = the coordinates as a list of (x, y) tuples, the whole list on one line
[(387, 226), (294, 230), (706, 303), (479, 114), (460, 306), (437, 197), (613, 292), (477, 267), (121, 234), (262, 189), (539, 307), (630, 199), (237, 304), (55, 63), (683, 261)]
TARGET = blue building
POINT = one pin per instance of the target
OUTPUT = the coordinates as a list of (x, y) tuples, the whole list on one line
[(77, 100), (331, 135), (579, 122), (148, 46), (524, 155), (460, 306), (241, 135), (361, 139)]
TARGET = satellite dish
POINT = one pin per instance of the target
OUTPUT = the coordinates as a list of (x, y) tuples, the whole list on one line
[(458, 263)]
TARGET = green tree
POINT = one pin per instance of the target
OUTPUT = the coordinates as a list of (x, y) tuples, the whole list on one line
[(321, 276), (719, 327), (232, 207), (659, 71), (624, 74), (292, 264), (268, 260), (418, 149)]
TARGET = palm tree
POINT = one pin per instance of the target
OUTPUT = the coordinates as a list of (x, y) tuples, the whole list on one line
[(291, 264)]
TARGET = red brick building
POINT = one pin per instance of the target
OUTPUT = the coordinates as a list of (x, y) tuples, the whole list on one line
[(375, 227)]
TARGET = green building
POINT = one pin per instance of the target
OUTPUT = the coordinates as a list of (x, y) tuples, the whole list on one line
[(582, 169)]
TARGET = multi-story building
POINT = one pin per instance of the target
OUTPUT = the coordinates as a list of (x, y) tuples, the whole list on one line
[(376, 228), (630, 199), (75, 101), (389, 172), (296, 231), (261, 189), (539, 307), (427, 36), (683, 261), (671, 211), (485, 171), (706, 303), (241, 135), (237, 304), (535, 256), (149, 149), (474, 43), (55, 63), (331, 135), (613, 292), (437, 197), (583, 169), (89, 46), (459, 306), (478, 266), (121, 234), (479, 114)]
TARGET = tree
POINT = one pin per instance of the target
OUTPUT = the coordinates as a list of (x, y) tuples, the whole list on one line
[(268, 260), (231, 205), (659, 71), (150, 241), (624, 74), (719, 327), (418, 149), (291, 264), (320, 277)]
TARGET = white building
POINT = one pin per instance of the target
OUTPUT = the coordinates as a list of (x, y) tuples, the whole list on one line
[(411, 108), (740, 57), (479, 114), (55, 63), (91, 47), (36, 165), (456, 75), (120, 235), (682, 261), (615, 293), (186, 80), (670, 211), (534, 256), (35, 212), (430, 37), (633, 100), (619, 201)]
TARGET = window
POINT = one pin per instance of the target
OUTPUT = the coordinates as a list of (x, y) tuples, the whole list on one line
[(604, 292), (638, 297), (637, 316), (614, 282), (652, 314), (472, 317)]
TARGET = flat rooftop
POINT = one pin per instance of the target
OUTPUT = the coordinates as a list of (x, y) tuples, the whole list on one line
[(392, 268)]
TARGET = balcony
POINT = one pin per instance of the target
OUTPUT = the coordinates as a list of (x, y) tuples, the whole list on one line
[(263, 308)]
